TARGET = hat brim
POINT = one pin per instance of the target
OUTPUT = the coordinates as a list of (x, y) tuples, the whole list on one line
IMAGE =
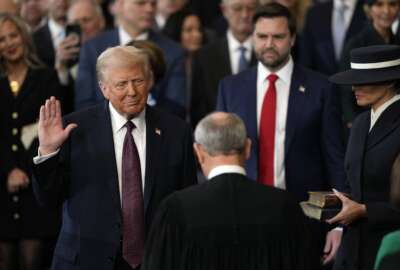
[(363, 76)]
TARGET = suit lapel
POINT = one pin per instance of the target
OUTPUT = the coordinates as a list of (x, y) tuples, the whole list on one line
[(360, 133), (153, 143), (103, 141), (223, 49), (330, 48), (357, 20), (250, 105), (387, 122), (296, 107)]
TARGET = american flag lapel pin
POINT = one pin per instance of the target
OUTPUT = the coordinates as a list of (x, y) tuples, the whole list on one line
[(158, 131), (302, 89)]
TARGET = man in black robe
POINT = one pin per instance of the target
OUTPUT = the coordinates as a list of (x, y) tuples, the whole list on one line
[(228, 222)]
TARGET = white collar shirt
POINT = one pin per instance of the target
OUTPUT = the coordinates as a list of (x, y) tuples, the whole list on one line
[(139, 135), (226, 169), (378, 112), (350, 4), (234, 51), (125, 38), (57, 32), (282, 100)]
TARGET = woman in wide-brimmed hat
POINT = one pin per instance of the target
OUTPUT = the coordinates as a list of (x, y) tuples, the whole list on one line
[(373, 146)]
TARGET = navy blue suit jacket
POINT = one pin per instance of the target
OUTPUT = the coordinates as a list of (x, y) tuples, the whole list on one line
[(83, 177), (314, 151), (316, 47), (170, 93)]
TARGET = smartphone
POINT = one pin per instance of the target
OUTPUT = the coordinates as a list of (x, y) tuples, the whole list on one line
[(73, 29)]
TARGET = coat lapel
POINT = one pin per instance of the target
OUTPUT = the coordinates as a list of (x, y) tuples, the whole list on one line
[(153, 143), (103, 141), (387, 122), (297, 98), (223, 48)]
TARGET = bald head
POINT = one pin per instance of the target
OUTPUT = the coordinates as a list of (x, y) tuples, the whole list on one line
[(221, 133)]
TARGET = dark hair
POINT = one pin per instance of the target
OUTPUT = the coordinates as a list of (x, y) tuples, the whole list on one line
[(156, 57), (173, 26), (274, 10)]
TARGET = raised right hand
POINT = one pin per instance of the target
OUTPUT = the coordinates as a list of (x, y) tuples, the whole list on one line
[(51, 131)]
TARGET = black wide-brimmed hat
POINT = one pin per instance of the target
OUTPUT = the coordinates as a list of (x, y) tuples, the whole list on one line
[(370, 65)]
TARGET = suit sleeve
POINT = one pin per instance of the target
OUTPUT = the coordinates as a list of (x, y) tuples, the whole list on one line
[(86, 80), (332, 140), (382, 215)]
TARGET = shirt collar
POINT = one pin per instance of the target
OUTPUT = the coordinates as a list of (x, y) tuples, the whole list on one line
[(125, 38), (226, 169), (376, 114), (284, 74), (118, 121), (56, 29), (351, 4), (234, 44)]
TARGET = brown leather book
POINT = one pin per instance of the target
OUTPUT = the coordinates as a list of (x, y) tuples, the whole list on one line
[(318, 213)]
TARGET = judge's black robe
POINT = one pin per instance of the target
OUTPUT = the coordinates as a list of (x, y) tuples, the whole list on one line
[(230, 223)]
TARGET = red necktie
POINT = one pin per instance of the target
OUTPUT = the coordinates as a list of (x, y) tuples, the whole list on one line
[(132, 202), (267, 134)]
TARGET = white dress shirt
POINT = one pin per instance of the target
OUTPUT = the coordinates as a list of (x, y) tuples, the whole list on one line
[(376, 114), (125, 38), (234, 51), (139, 135), (348, 14), (57, 33), (282, 100), (226, 169)]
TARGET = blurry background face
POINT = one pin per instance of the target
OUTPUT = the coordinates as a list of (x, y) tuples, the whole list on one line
[(85, 14), (11, 42), (384, 12), (58, 10), (139, 14), (167, 7), (32, 12), (192, 36), (9, 6), (272, 42), (239, 14)]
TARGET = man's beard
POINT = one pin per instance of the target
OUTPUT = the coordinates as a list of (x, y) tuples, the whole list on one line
[(278, 62)]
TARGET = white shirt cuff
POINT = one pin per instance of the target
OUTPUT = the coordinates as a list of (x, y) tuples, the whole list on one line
[(338, 229), (42, 158)]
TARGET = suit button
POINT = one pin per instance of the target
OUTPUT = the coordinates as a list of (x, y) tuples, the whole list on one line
[(14, 115), (16, 216), (14, 148), (15, 198), (14, 131)]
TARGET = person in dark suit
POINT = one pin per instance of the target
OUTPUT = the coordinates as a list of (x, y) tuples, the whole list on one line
[(25, 227), (317, 48), (297, 145), (372, 148), (382, 14), (135, 21), (111, 172), (222, 57), (388, 256), (228, 222)]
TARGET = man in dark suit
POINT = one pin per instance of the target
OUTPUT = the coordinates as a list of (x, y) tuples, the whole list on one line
[(228, 222), (113, 170), (135, 21), (292, 115), (222, 57), (322, 41)]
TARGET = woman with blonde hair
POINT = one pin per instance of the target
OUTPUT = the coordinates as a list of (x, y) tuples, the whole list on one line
[(25, 84)]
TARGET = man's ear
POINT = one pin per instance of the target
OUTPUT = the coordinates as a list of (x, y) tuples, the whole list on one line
[(103, 89), (198, 149)]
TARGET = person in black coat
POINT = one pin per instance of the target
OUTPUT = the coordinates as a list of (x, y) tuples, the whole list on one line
[(25, 85), (373, 146), (378, 31), (228, 222)]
